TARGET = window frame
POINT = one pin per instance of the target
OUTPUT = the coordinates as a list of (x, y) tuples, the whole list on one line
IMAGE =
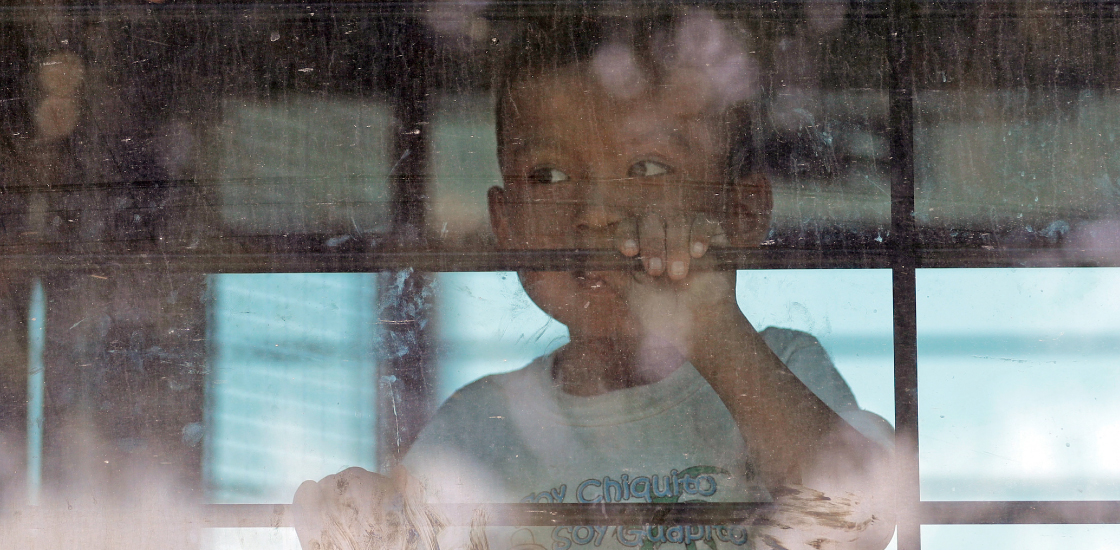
[(903, 252)]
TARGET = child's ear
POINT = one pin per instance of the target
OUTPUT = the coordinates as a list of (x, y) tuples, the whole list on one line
[(499, 217), (750, 204)]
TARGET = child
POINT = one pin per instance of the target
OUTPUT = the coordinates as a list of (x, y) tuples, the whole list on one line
[(624, 134)]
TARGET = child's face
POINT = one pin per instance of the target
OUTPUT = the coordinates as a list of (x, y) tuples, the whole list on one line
[(581, 164)]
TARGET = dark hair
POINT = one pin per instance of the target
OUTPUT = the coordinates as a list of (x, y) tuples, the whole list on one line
[(551, 42)]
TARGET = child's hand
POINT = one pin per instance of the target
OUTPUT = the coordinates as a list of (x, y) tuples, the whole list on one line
[(677, 295), (677, 229), (668, 244), (357, 509), (805, 518)]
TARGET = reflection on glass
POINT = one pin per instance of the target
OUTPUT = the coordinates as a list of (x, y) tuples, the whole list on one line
[(305, 165), (464, 166), (1017, 374), (220, 135), (1019, 537), (849, 311), (828, 159), (633, 136), (291, 386), (1015, 133), (1002, 160), (488, 324)]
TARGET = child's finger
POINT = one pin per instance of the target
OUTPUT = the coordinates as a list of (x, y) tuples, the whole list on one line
[(626, 237), (703, 228), (677, 247), (651, 239), (308, 512)]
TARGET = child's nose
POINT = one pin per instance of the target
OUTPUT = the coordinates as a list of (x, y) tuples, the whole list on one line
[(596, 211)]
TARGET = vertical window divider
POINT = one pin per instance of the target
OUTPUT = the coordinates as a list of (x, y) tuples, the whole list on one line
[(405, 376), (903, 251)]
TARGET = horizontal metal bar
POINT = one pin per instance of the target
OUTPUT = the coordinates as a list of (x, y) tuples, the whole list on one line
[(1017, 257), (518, 9), (525, 515), (702, 513), (689, 513), (1023, 512), (387, 8), (399, 6), (247, 515), (536, 260), (434, 261), (280, 515)]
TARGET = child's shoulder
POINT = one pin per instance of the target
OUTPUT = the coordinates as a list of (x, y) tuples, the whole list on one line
[(490, 392), (803, 354), (785, 341), (477, 421), (483, 406)]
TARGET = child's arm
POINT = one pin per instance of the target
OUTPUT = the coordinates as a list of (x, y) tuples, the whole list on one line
[(793, 435), (794, 438), (790, 431), (356, 508)]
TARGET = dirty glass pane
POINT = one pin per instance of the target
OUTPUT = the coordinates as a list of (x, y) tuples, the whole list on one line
[(304, 165), (849, 311), (1026, 537), (292, 382), (252, 244), (232, 538), (814, 120), (1018, 381), (1016, 123), (489, 325), (464, 166)]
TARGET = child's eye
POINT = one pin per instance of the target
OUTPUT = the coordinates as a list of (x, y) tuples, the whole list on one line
[(647, 168), (547, 175)]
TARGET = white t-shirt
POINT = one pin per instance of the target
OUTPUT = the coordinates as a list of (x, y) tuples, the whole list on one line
[(516, 437)]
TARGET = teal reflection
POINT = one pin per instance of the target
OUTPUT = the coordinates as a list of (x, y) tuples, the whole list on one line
[(1018, 383), (489, 325), (1019, 537), (291, 388)]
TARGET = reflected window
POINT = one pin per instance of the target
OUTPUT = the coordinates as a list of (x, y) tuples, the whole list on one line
[(291, 393), (1017, 369), (246, 246)]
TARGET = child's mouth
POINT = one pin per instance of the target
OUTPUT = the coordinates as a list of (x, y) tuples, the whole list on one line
[(590, 281)]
